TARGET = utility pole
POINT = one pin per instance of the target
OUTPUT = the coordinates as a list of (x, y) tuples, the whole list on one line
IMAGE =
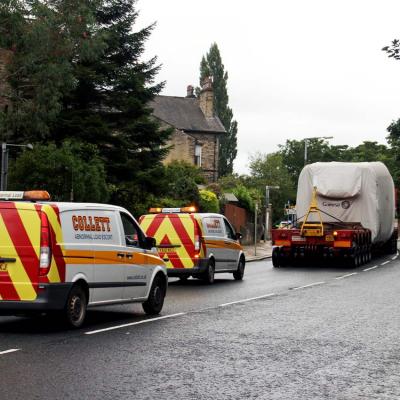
[(4, 166), (255, 228), (268, 212), (4, 161)]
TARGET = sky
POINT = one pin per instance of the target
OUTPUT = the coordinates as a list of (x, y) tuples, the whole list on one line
[(297, 69)]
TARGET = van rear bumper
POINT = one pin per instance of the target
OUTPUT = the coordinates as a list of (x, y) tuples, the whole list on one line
[(196, 270), (51, 297)]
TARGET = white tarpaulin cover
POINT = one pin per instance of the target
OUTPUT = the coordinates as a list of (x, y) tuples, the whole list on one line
[(352, 193)]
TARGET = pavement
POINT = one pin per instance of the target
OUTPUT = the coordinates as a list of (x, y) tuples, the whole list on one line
[(260, 252)]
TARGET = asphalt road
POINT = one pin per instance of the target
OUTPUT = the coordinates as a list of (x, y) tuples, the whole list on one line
[(291, 333)]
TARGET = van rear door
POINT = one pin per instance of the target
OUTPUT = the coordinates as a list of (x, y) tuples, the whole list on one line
[(175, 235), (20, 230)]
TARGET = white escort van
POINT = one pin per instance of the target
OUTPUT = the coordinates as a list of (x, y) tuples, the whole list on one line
[(65, 257)]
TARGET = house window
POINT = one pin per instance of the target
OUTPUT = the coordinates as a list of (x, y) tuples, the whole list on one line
[(197, 155)]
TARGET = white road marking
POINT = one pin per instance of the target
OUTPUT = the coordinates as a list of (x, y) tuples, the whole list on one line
[(347, 275), (370, 268), (244, 300), (145, 321), (306, 286), (221, 305), (9, 351)]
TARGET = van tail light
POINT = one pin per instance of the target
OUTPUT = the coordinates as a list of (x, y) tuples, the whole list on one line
[(197, 244), (45, 246)]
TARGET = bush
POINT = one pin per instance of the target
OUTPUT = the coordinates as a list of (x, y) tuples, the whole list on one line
[(208, 202), (244, 196)]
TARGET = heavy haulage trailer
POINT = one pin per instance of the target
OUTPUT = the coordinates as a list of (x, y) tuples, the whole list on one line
[(346, 214)]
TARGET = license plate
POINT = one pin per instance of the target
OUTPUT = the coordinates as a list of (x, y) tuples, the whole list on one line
[(3, 267), (166, 250), (329, 238), (297, 239)]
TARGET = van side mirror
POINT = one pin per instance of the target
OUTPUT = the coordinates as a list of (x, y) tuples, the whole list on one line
[(238, 236), (150, 242)]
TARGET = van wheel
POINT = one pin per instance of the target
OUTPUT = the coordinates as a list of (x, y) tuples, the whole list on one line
[(238, 274), (208, 276), (75, 309), (154, 303)]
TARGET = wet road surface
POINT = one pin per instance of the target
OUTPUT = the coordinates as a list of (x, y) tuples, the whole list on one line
[(290, 333)]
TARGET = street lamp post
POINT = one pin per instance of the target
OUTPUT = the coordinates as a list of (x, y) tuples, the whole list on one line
[(306, 144), (4, 161), (268, 210)]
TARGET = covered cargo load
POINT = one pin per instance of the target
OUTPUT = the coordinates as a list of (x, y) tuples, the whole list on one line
[(351, 193)]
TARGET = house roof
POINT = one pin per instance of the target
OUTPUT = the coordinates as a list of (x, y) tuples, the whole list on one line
[(184, 113)]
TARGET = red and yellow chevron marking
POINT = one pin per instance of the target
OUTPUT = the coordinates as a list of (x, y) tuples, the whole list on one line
[(170, 229), (20, 239), (20, 227), (57, 268)]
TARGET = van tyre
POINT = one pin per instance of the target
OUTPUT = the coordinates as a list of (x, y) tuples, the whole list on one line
[(208, 276), (75, 309), (154, 303), (238, 274)]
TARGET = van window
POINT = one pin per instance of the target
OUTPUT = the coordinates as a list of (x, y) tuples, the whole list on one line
[(213, 226), (229, 230), (132, 233)]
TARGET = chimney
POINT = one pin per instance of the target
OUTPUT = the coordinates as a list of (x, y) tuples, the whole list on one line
[(190, 92), (207, 98)]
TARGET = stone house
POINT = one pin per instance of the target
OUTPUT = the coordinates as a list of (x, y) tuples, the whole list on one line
[(197, 129)]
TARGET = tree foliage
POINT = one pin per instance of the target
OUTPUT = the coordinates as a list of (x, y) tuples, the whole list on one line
[(73, 171), (211, 65), (270, 170), (77, 74), (208, 202), (393, 50)]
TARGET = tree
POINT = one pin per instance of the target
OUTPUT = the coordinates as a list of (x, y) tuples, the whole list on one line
[(77, 73), (43, 43), (317, 150), (109, 105), (211, 65), (393, 50), (73, 171), (180, 182), (269, 169), (394, 141)]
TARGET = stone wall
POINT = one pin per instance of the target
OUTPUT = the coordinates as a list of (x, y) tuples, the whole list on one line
[(209, 162), (5, 59), (183, 148)]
